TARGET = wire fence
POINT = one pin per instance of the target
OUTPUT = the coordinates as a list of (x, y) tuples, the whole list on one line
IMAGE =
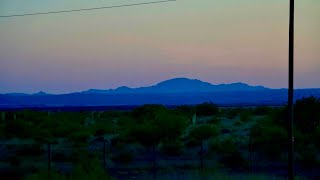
[(251, 158)]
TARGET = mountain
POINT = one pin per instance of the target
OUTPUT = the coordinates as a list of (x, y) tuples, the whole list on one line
[(179, 85), (40, 93), (175, 91)]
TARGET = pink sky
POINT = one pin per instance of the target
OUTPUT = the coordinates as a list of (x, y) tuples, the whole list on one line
[(211, 40)]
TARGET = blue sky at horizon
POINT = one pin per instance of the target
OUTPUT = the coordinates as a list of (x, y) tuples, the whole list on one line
[(217, 41)]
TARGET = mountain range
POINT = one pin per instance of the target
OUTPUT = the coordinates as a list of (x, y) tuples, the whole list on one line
[(175, 91), (179, 85)]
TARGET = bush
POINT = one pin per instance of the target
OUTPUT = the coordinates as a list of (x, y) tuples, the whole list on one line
[(172, 148), (234, 160), (307, 114), (43, 174), (147, 111), (308, 157), (207, 109), (91, 169), (14, 161), (261, 110), (237, 123), (60, 157), (215, 120), (79, 137), (317, 137), (269, 139), (122, 157), (18, 128), (100, 132), (185, 110), (13, 173), (111, 114), (245, 116), (232, 113), (229, 153), (203, 132), (83, 156), (30, 150), (226, 146), (2, 135), (192, 142)]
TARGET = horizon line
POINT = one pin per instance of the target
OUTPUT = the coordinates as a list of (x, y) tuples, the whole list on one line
[(79, 91)]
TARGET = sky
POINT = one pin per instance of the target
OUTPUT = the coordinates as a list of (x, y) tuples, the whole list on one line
[(217, 41)]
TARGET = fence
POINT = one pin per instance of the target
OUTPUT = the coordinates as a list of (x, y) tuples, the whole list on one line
[(247, 158)]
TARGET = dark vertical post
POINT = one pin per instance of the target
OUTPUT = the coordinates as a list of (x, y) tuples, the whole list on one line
[(3, 117), (104, 155), (201, 155), (49, 159), (290, 94), (154, 161), (250, 152)]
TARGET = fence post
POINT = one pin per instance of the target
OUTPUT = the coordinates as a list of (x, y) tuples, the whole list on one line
[(250, 152), (49, 159), (201, 155), (3, 116), (154, 161), (104, 155)]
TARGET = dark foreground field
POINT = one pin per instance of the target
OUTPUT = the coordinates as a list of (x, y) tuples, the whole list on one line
[(152, 141)]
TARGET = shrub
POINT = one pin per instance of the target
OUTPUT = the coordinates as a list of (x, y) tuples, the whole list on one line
[(232, 113), (269, 139), (100, 132), (203, 132), (317, 137), (215, 120), (147, 111), (229, 153), (307, 114), (122, 157), (226, 146), (185, 110), (234, 160), (172, 148), (79, 137), (83, 156), (245, 116), (111, 114), (207, 109), (60, 157), (261, 110), (18, 128), (192, 142), (308, 157), (43, 174), (91, 169), (14, 161), (30, 150), (237, 123)]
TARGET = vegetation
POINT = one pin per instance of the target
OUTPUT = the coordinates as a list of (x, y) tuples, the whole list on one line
[(89, 141)]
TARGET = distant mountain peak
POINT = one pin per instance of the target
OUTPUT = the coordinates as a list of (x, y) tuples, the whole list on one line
[(122, 88), (181, 81), (40, 93)]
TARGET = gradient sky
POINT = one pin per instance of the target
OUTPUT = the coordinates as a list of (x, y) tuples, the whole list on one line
[(218, 41)]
